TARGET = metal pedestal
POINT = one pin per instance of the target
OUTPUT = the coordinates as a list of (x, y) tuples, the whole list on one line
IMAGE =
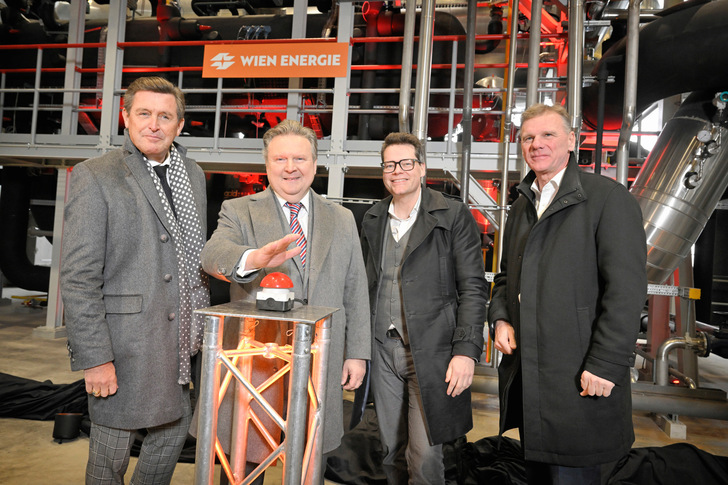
[(301, 450)]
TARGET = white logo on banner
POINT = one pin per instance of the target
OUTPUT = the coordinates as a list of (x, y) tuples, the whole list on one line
[(222, 61)]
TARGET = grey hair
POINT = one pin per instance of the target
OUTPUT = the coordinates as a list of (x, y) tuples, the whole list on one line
[(155, 84), (290, 127)]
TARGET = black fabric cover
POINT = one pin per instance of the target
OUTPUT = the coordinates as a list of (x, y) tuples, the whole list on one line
[(498, 461), (677, 464), (357, 461), (29, 399)]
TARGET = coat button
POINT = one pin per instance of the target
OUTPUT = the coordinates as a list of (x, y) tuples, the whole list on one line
[(164, 238), (168, 278), (171, 316), (221, 270)]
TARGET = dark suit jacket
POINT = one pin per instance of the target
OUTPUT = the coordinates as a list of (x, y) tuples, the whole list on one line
[(120, 287)]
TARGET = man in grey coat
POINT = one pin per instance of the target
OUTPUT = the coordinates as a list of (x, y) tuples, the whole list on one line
[(325, 264), (428, 294), (565, 309), (130, 280)]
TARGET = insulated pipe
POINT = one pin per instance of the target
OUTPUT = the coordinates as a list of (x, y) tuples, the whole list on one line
[(424, 67), (688, 32), (574, 64), (630, 90), (405, 82), (680, 183), (534, 54), (468, 82), (506, 135)]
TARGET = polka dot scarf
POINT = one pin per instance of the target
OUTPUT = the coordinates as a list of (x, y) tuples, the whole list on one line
[(189, 237)]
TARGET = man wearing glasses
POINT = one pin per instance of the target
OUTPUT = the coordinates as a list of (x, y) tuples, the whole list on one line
[(427, 292)]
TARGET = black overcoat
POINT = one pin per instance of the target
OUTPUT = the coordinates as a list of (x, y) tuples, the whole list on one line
[(444, 297), (573, 285)]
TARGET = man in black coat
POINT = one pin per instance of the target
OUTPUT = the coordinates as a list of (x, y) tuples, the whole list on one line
[(427, 291), (565, 309)]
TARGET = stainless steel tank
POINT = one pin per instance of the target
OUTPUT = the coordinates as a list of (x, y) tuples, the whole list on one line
[(680, 184)]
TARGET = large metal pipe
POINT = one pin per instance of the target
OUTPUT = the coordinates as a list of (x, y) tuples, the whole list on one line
[(630, 90), (405, 82), (507, 122), (534, 54), (680, 184), (662, 365), (575, 63), (467, 123), (424, 68), (641, 401), (680, 405)]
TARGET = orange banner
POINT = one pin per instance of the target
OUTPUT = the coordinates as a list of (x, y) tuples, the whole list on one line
[(314, 59)]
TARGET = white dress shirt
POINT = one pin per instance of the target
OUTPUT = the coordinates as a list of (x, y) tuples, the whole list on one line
[(399, 226), (546, 195)]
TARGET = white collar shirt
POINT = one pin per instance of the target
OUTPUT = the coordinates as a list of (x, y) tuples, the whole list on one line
[(398, 226), (302, 214), (546, 195)]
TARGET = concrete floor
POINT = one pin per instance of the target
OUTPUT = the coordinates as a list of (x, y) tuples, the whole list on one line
[(28, 453)]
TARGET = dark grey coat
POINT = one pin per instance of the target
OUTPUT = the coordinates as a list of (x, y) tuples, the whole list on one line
[(580, 274), (444, 296), (120, 287)]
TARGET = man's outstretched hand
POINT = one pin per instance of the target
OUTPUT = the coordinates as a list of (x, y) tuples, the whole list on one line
[(272, 254)]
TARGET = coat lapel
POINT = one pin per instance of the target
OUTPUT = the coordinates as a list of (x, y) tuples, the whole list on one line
[(570, 190), (425, 222), (138, 168), (320, 239), (375, 225)]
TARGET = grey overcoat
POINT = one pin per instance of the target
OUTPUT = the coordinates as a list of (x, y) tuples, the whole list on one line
[(120, 288), (336, 279)]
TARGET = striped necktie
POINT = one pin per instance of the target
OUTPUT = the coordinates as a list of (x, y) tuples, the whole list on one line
[(296, 229)]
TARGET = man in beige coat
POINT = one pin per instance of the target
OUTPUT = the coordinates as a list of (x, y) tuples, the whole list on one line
[(252, 240)]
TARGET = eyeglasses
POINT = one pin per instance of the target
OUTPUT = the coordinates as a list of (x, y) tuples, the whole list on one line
[(406, 164)]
